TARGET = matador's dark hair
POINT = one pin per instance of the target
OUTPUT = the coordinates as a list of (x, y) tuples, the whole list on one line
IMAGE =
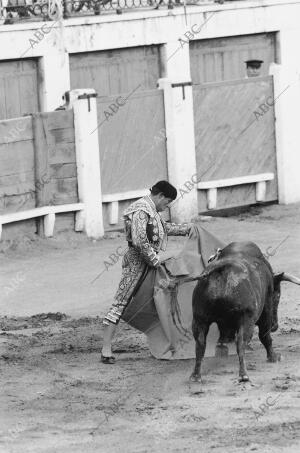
[(165, 188)]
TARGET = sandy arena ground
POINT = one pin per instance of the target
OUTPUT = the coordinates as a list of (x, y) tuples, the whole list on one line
[(57, 397)]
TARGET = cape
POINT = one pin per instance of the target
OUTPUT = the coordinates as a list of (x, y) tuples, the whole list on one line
[(161, 306)]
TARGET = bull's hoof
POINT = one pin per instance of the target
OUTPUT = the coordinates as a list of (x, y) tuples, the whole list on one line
[(275, 357), (196, 378), (244, 378)]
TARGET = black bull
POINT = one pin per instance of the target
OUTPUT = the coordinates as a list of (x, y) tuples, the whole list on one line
[(237, 290)]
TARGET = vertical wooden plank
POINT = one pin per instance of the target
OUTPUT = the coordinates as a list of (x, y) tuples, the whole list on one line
[(2, 98), (113, 71), (41, 159), (218, 66), (244, 56), (228, 65), (103, 75), (12, 96), (201, 71), (27, 86), (152, 67), (18, 88), (209, 66)]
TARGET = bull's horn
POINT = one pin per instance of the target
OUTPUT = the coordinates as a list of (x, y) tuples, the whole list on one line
[(290, 278)]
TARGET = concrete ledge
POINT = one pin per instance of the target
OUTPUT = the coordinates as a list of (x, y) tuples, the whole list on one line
[(124, 195), (211, 186), (235, 181), (48, 212), (113, 200)]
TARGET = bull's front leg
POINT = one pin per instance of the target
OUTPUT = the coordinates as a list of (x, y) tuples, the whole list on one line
[(240, 346), (200, 331)]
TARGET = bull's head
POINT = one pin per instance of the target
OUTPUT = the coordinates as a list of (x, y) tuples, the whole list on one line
[(277, 279)]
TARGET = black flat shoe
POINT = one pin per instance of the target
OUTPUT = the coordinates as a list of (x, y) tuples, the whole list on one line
[(108, 360)]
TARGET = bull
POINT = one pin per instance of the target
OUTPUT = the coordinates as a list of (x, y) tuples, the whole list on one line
[(237, 290)]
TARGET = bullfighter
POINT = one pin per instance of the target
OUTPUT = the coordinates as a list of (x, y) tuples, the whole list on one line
[(146, 233)]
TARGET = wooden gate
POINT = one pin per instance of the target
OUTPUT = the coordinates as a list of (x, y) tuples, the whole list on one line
[(235, 137), (131, 123), (18, 88), (132, 146), (132, 142), (38, 170)]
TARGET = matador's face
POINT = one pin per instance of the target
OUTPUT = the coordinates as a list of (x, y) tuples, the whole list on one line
[(162, 202)]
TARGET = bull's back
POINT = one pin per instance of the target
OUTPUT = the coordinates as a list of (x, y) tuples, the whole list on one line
[(229, 287), (246, 251)]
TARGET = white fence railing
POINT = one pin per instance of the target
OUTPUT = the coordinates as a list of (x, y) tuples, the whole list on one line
[(48, 214), (212, 186)]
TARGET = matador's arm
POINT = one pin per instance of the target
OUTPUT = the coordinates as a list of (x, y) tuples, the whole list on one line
[(177, 229)]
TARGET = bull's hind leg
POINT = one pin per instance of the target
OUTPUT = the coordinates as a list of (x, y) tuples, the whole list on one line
[(244, 335), (266, 339), (200, 333), (240, 347)]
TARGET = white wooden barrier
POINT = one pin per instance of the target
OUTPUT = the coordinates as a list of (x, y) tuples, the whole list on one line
[(212, 186), (113, 200), (88, 211), (48, 212), (83, 102)]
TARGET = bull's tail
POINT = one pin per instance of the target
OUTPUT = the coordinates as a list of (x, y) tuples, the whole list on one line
[(176, 312)]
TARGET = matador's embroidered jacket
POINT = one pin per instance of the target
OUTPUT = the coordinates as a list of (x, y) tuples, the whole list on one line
[(146, 233)]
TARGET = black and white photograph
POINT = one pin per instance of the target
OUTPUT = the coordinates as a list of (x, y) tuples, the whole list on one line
[(149, 226)]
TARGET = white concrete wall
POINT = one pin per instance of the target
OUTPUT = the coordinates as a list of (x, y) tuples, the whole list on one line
[(53, 46), (287, 111), (181, 156)]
